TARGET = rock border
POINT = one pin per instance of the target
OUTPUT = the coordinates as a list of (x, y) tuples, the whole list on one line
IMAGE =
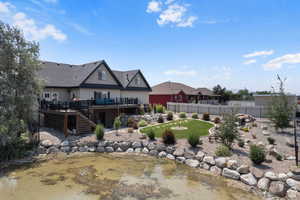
[(271, 184)]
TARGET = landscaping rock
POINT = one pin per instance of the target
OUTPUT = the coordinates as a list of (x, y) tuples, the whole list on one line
[(161, 147), (189, 154), (278, 188), (119, 149), (290, 142), (136, 145), (293, 184), (231, 174), (65, 143), (145, 143), (209, 160), (52, 149), (266, 133), (103, 143), (257, 173), (74, 149), (295, 170), (145, 150), (130, 150), (170, 149), (100, 149), (91, 149), (153, 152), (192, 163), (221, 162), (180, 159), (292, 194), (282, 177), (232, 164), (138, 150), (109, 149), (293, 176), (243, 169), (125, 145), (162, 154), (264, 127), (248, 179), (41, 150), (200, 155), (46, 143), (290, 158), (263, 184), (216, 170), (178, 152), (171, 157), (151, 146), (65, 149), (272, 176), (83, 149), (204, 165)]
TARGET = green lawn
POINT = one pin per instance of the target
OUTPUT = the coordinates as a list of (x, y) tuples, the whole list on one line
[(196, 126)]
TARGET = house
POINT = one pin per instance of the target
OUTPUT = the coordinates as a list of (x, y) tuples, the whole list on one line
[(178, 92), (80, 96)]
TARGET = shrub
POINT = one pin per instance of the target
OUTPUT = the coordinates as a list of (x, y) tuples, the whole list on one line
[(241, 143), (130, 130), (279, 157), (223, 151), (257, 154), (271, 140), (160, 119), (99, 131), (135, 125), (217, 120), (193, 139), (151, 134), (143, 123), (141, 110), (228, 131), (168, 137), (170, 116), (130, 122), (195, 116), (206, 117), (182, 115), (117, 124), (159, 108)]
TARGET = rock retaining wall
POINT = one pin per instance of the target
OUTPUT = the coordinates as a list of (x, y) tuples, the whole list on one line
[(272, 185)]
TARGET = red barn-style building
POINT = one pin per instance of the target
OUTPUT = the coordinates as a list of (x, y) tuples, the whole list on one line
[(178, 92)]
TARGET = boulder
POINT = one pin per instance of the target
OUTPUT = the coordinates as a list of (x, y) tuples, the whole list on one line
[(293, 184), (151, 146), (145, 150), (171, 157), (228, 173), (65, 143), (178, 152), (200, 155), (292, 194), (119, 149), (65, 149), (180, 159), (46, 143), (124, 145), (130, 150), (91, 149), (74, 149), (248, 179), (136, 145), (109, 149), (192, 163), (232, 164), (204, 165), (209, 160), (290, 142), (189, 154), (257, 173), (264, 127), (263, 184), (221, 162), (278, 188), (161, 147), (103, 143), (295, 170), (138, 150), (170, 149), (243, 169), (282, 177), (266, 133), (100, 149), (293, 176), (272, 176), (145, 143), (162, 154), (41, 150), (216, 170), (52, 149), (153, 152)]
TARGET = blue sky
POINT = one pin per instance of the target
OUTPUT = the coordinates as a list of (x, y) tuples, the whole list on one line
[(235, 43)]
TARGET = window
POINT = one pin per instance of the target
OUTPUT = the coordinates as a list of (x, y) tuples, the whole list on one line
[(102, 75), (55, 96), (46, 96)]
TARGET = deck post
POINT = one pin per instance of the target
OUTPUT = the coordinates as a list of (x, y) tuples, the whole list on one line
[(65, 124)]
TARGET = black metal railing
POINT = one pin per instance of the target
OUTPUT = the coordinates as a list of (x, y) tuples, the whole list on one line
[(84, 104)]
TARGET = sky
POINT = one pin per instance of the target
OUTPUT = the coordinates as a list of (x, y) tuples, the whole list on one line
[(235, 43)]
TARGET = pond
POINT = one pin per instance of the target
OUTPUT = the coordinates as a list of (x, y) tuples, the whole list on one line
[(114, 177)]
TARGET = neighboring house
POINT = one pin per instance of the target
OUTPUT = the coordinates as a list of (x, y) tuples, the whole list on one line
[(92, 89), (178, 92)]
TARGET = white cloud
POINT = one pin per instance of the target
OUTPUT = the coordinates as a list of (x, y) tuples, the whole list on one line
[(169, 1), (154, 6), (187, 22), (80, 29), (277, 63), (28, 25), (248, 62), (258, 53), (51, 1), (181, 72)]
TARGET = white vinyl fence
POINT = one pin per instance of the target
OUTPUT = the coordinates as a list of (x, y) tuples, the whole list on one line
[(256, 111)]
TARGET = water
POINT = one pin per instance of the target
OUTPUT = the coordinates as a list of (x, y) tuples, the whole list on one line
[(114, 177)]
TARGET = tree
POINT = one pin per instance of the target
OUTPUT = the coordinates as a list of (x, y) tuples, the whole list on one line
[(117, 124), (19, 85), (281, 112), (228, 131)]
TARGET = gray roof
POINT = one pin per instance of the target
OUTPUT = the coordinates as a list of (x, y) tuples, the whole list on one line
[(66, 75)]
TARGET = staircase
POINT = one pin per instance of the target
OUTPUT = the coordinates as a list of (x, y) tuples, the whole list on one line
[(84, 124)]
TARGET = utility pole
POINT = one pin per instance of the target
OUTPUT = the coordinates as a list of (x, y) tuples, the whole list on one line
[(295, 140)]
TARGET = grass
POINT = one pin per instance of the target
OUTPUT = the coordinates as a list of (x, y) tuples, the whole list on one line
[(196, 126)]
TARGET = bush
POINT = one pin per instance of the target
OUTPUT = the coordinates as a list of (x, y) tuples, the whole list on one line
[(271, 140), (195, 116), (160, 119), (193, 139), (168, 137), (151, 134), (15, 149), (257, 154), (228, 131), (135, 125), (217, 120), (279, 157), (99, 131), (223, 151), (143, 123), (130, 130), (206, 117), (130, 122), (241, 143), (170, 116), (159, 108), (182, 115), (141, 110)]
